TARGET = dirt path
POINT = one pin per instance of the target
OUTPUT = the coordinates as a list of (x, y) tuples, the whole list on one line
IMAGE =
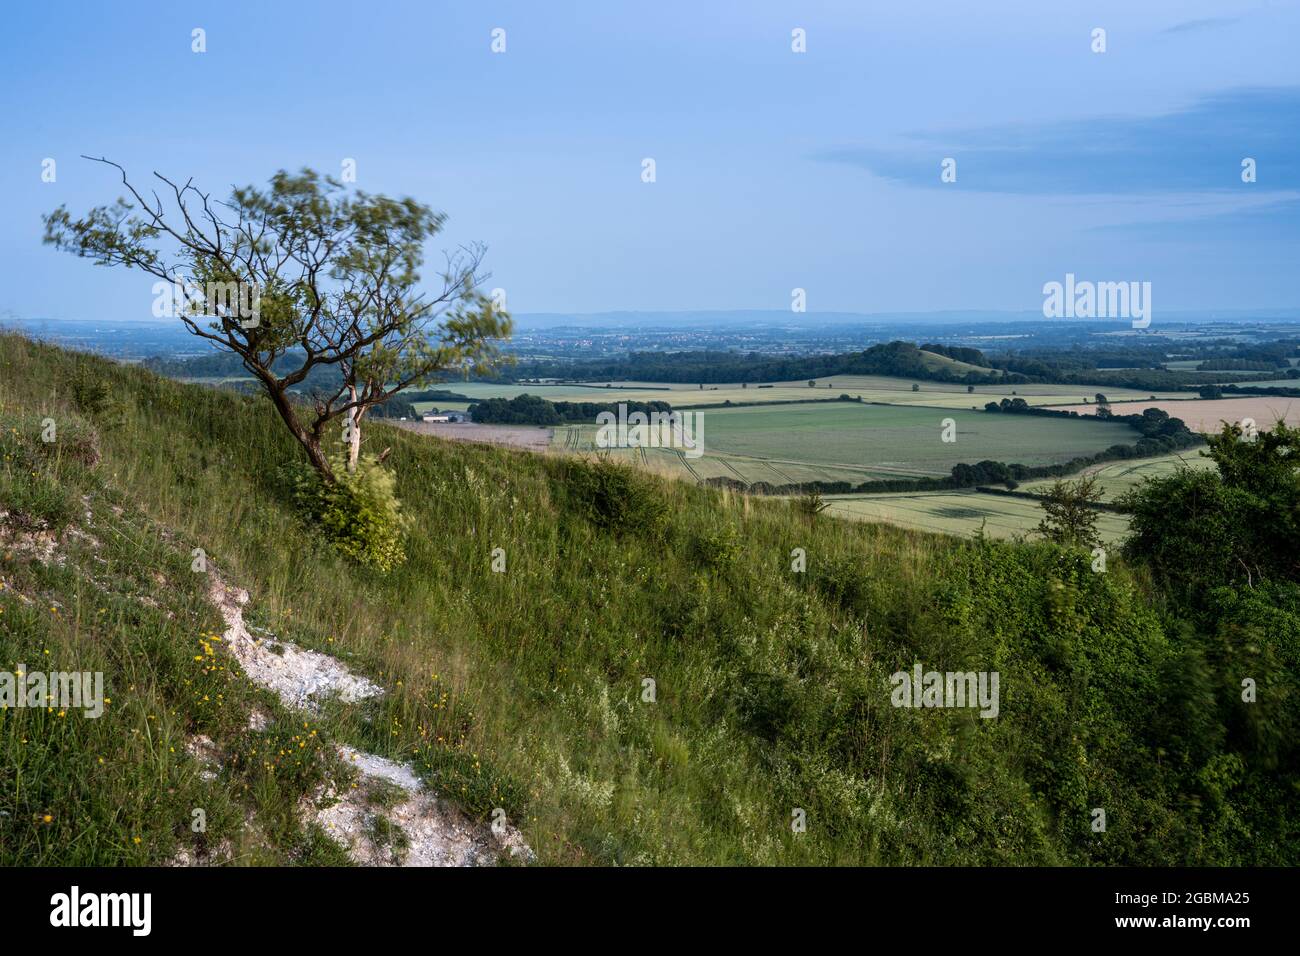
[(387, 818)]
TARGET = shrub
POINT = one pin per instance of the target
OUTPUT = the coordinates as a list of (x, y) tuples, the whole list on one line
[(843, 582), (811, 504), (359, 512), (614, 497), (717, 548), (92, 394), (37, 476), (36, 503)]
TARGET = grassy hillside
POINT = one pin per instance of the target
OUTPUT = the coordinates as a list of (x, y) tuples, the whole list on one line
[(525, 689), (935, 362)]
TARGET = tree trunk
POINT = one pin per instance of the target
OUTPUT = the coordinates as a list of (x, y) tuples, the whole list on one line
[(354, 431), (305, 438)]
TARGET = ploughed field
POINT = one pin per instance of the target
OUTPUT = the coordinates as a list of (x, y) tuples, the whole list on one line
[(1209, 415)]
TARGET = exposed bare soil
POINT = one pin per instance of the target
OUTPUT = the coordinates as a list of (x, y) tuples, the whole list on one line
[(531, 437)]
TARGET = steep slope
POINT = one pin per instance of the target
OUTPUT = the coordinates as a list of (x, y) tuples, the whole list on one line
[(648, 680), (936, 363)]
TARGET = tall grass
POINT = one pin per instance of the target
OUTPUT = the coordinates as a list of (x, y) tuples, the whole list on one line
[(526, 689)]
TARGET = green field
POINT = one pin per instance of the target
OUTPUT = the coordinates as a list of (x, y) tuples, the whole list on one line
[(870, 388), (1117, 477), (1275, 383), (965, 512), (859, 442), (961, 513), (881, 388)]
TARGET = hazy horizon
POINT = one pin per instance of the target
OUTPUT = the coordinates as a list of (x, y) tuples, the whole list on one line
[(722, 318), (775, 170)]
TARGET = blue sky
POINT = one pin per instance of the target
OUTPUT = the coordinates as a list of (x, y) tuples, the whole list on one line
[(775, 170)]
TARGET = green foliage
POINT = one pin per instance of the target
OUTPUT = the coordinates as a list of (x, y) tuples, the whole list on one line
[(842, 582), (346, 303), (1071, 518), (1223, 543), (35, 502), (359, 511), (34, 472), (90, 392), (1241, 523), (613, 496), (811, 504), (718, 547), (525, 690), (1191, 529), (533, 410)]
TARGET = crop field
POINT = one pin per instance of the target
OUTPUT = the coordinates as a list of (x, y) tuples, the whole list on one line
[(881, 388), (1274, 383), (960, 513), (870, 388), (1207, 415), (1117, 477), (858, 442), (423, 407)]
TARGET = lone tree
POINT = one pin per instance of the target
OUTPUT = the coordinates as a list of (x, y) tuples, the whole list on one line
[(334, 279), (1071, 518)]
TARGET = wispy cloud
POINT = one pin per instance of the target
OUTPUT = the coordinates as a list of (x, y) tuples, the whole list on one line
[(1277, 221), (1194, 26), (1200, 148)]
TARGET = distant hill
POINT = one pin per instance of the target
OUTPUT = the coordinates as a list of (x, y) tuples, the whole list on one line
[(949, 366), (903, 359)]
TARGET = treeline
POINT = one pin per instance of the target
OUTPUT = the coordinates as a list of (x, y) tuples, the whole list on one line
[(1138, 368), (216, 365), (903, 359), (1145, 379), (1241, 365), (1274, 390), (957, 353), (321, 379), (534, 410), (1161, 435)]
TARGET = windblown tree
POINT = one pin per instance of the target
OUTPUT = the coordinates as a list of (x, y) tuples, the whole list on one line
[(336, 279)]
